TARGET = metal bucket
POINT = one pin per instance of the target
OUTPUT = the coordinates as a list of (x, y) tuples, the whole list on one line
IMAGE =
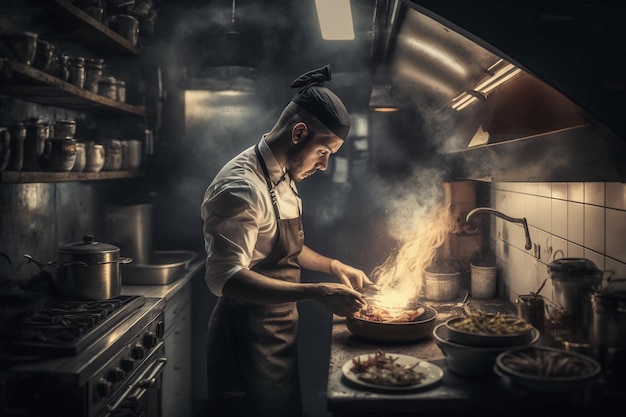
[(130, 228)]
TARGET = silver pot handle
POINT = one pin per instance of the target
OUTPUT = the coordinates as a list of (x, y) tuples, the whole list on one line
[(122, 260), (79, 264)]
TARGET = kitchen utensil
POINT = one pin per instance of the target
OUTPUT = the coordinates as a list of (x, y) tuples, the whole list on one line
[(531, 307), (95, 157), (89, 270), (59, 155), (608, 331), (43, 55), (442, 280), (470, 360), (420, 328), (432, 373), (112, 155), (541, 368), (485, 339), (81, 158), (64, 129), (129, 227), (166, 267), (573, 281), (21, 46), (34, 141)]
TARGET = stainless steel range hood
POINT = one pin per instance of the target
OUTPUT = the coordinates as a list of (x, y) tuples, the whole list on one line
[(562, 113)]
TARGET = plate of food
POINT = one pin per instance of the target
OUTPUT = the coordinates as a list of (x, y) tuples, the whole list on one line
[(391, 372)]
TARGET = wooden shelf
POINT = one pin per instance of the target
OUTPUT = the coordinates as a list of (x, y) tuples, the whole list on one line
[(30, 84), (38, 177), (60, 15)]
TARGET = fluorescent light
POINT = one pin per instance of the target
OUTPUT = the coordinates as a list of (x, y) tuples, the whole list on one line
[(499, 78), (335, 17)]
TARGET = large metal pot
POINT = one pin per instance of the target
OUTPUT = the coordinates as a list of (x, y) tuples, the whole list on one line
[(89, 270), (573, 282), (608, 331), (420, 328)]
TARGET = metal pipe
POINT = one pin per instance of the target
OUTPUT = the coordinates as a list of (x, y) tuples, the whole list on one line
[(521, 221)]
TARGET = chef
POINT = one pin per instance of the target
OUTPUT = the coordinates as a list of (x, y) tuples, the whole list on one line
[(255, 251)]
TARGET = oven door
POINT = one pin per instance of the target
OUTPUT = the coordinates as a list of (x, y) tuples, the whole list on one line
[(142, 396)]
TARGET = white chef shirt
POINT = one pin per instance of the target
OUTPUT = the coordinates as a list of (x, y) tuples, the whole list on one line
[(239, 222)]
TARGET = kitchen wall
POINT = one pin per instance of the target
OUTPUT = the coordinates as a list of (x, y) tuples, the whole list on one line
[(565, 219)]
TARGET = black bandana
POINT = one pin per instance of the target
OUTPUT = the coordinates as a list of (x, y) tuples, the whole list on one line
[(321, 102)]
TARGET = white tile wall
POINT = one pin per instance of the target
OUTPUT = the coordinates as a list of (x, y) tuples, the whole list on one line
[(565, 220)]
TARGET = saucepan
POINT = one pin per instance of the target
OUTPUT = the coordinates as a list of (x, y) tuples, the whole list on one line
[(88, 270)]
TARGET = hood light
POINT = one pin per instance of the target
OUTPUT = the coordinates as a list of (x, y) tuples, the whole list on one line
[(335, 18), (480, 92), (381, 99)]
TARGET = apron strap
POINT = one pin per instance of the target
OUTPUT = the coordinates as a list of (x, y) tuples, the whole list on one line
[(270, 185)]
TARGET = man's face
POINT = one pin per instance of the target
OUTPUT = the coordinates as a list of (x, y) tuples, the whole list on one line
[(312, 154)]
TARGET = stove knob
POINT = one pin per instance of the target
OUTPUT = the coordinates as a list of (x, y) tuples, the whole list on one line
[(104, 388), (127, 364), (137, 351), (149, 340), (116, 375)]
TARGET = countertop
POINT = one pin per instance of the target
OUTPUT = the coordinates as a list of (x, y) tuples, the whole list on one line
[(486, 396)]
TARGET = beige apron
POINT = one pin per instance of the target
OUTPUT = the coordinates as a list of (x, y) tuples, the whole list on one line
[(252, 354)]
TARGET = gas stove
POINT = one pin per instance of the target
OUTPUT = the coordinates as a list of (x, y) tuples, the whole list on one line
[(82, 358), (67, 327)]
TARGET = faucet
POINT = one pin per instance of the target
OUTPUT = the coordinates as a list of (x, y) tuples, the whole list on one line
[(522, 221)]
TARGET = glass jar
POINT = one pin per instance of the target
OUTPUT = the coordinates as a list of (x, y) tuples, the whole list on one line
[(76, 71), (93, 73)]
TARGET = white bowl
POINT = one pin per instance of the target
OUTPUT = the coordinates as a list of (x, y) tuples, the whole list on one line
[(467, 360)]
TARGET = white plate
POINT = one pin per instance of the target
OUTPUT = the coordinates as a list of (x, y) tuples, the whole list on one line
[(433, 373)]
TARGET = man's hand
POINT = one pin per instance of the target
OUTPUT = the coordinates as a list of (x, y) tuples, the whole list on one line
[(340, 299), (350, 276)]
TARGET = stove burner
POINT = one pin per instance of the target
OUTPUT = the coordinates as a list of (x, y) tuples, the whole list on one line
[(67, 327)]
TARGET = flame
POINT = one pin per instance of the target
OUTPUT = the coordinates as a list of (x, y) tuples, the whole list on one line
[(400, 276)]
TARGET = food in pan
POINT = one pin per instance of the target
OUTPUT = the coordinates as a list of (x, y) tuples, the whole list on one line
[(382, 369), (481, 322), (375, 313)]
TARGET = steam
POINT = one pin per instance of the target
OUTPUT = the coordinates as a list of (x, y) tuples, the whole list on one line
[(420, 221)]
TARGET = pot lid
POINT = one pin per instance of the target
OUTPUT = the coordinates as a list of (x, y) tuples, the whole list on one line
[(573, 267), (88, 245)]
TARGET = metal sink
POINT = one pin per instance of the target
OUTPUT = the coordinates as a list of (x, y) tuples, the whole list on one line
[(166, 267)]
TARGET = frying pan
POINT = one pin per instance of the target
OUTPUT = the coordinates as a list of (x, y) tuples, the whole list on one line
[(417, 329)]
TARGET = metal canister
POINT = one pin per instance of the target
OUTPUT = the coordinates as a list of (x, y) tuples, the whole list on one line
[(608, 331), (573, 282), (107, 87), (76, 71), (93, 73)]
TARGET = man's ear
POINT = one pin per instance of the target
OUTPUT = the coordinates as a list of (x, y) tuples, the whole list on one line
[(299, 132)]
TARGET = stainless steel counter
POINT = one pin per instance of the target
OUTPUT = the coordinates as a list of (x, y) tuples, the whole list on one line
[(164, 291), (485, 396)]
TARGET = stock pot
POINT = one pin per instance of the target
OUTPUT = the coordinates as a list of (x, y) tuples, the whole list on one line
[(89, 270)]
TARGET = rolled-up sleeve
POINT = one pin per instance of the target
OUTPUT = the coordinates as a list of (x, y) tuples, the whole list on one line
[(231, 226)]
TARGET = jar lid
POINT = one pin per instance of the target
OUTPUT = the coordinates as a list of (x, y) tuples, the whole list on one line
[(88, 246), (573, 267)]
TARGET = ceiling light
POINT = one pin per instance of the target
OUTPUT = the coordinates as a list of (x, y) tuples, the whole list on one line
[(480, 92), (335, 18)]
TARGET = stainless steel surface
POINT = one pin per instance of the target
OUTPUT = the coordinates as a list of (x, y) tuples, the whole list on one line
[(89, 270), (130, 228), (102, 372), (574, 280), (165, 268)]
